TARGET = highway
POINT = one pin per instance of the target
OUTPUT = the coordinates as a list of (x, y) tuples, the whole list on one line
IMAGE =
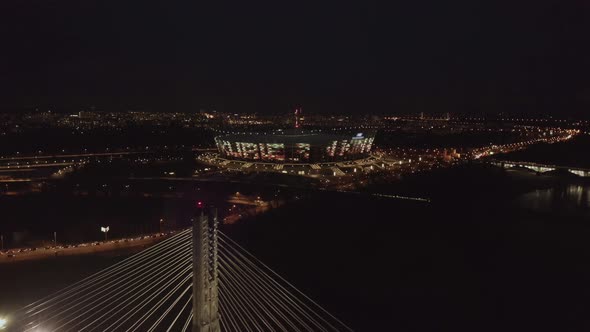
[(88, 155), (26, 254)]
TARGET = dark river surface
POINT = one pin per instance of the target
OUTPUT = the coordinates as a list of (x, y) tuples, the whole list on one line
[(480, 257), (568, 200)]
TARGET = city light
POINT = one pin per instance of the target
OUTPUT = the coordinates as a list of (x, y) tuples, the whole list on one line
[(105, 230)]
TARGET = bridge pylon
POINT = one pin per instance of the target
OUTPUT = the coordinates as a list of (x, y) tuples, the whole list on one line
[(205, 273)]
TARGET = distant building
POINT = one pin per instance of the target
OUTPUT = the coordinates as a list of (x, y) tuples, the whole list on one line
[(294, 146)]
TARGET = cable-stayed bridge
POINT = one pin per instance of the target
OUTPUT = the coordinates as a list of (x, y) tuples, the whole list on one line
[(199, 280)]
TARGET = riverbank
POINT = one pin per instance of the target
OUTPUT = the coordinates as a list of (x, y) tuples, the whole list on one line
[(128, 245)]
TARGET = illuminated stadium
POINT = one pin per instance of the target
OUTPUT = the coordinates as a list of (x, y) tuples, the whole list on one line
[(296, 152), (294, 146)]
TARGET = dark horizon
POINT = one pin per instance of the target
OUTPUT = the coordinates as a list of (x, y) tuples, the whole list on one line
[(344, 57)]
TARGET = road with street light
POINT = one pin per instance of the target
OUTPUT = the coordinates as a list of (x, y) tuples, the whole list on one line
[(19, 255)]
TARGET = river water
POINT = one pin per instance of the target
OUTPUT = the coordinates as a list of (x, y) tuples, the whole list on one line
[(567, 201)]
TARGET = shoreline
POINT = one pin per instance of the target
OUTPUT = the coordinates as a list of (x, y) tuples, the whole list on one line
[(83, 249)]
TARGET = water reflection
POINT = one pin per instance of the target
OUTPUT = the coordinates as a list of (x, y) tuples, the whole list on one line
[(573, 200)]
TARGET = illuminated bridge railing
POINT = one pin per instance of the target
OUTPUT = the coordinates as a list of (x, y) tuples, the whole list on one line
[(541, 168)]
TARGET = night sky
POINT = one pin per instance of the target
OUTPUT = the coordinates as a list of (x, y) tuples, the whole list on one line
[(327, 56)]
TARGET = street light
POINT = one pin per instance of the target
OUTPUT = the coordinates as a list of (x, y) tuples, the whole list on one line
[(105, 230)]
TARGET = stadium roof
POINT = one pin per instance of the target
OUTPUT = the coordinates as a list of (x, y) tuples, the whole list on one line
[(289, 137)]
